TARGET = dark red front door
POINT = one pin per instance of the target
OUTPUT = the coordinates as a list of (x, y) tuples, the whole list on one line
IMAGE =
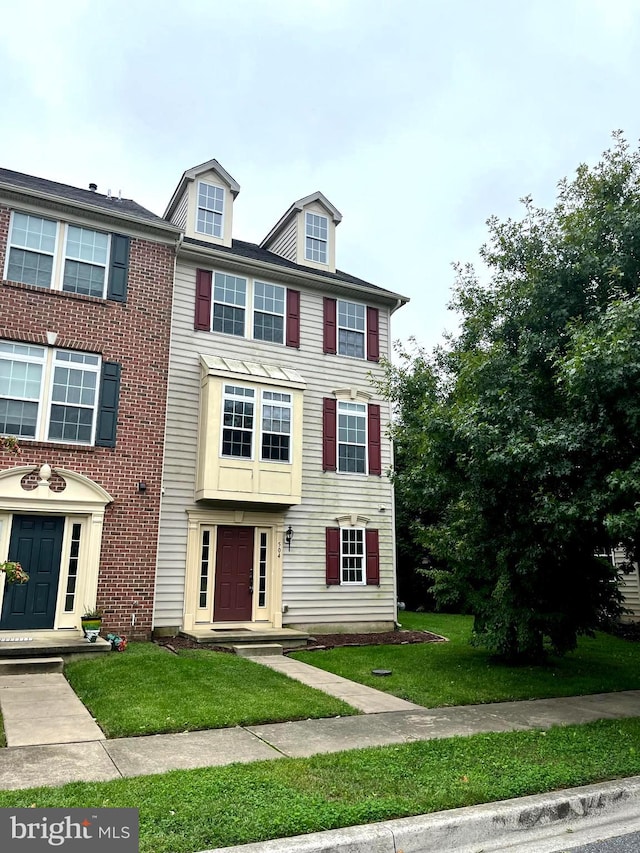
[(234, 574)]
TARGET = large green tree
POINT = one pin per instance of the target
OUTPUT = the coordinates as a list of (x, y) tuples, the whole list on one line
[(518, 441)]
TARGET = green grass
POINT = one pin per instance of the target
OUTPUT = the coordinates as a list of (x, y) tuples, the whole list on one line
[(455, 673), (192, 810), (147, 690)]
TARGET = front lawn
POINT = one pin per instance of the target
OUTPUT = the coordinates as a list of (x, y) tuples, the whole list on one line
[(192, 810), (455, 673), (147, 690)]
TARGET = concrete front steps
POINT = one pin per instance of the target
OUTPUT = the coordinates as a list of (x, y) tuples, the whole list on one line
[(65, 643), (235, 638), (30, 666), (258, 650)]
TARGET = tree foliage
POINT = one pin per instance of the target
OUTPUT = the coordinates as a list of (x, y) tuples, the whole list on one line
[(517, 442)]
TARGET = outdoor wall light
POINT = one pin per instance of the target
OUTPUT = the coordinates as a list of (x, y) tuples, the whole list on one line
[(288, 536), (142, 487)]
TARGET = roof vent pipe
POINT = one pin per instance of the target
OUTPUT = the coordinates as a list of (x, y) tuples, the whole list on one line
[(93, 187)]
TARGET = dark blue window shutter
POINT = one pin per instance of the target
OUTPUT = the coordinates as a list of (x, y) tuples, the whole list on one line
[(108, 405), (118, 268)]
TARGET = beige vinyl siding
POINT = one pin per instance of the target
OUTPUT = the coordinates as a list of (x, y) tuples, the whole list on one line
[(325, 495), (285, 244), (179, 217), (630, 586)]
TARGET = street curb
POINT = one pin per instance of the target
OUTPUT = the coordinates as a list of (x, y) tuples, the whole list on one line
[(463, 830)]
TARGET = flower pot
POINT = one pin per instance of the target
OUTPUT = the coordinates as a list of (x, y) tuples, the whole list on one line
[(91, 629)]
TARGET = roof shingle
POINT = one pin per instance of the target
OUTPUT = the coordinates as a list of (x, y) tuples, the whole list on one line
[(255, 252), (95, 199)]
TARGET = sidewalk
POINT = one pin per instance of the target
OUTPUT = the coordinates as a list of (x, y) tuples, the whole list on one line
[(102, 760), (365, 699)]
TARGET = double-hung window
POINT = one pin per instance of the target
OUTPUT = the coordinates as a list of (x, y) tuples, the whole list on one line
[(276, 427), (351, 329), (247, 307), (316, 237), (48, 394), (352, 437), (32, 247), (67, 257), (237, 421), (229, 304), (268, 312), (352, 555), (85, 262), (210, 212)]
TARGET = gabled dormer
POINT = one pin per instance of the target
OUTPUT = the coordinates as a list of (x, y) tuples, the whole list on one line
[(306, 234), (202, 203)]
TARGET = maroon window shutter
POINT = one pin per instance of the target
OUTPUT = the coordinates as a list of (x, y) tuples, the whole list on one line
[(373, 337), (373, 558), (203, 300), (333, 556), (329, 324), (293, 318), (329, 434), (373, 429)]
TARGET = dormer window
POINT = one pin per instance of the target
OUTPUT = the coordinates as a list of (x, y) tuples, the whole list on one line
[(210, 209), (316, 237)]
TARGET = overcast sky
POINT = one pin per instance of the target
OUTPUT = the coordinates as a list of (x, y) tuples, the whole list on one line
[(418, 119)]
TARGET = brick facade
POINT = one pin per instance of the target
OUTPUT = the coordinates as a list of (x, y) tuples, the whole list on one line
[(136, 335)]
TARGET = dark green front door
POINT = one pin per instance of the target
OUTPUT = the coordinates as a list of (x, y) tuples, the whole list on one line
[(36, 543)]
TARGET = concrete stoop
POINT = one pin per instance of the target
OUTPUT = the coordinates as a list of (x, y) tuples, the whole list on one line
[(67, 643), (258, 650), (229, 638), (30, 666), (542, 823)]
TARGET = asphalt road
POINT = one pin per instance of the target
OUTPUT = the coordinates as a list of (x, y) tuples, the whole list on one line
[(629, 843)]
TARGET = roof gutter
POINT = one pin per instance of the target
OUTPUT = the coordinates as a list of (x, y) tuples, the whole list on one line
[(159, 225)]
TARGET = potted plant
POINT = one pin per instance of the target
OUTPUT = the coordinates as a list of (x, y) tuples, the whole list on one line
[(14, 572), (91, 622)]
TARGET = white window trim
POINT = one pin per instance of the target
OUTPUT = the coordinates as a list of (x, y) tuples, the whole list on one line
[(254, 310), (348, 329), (246, 307), (255, 400), (66, 257), (365, 415), (10, 245), (289, 405), (222, 214), (363, 567), (309, 236), (59, 253), (45, 399)]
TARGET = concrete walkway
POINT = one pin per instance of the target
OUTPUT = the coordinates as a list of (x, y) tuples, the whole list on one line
[(101, 760), (365, 699), (42, 708)]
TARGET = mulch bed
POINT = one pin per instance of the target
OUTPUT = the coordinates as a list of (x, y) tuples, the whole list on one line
[(322, 641), (388, 638), (626, 630)]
